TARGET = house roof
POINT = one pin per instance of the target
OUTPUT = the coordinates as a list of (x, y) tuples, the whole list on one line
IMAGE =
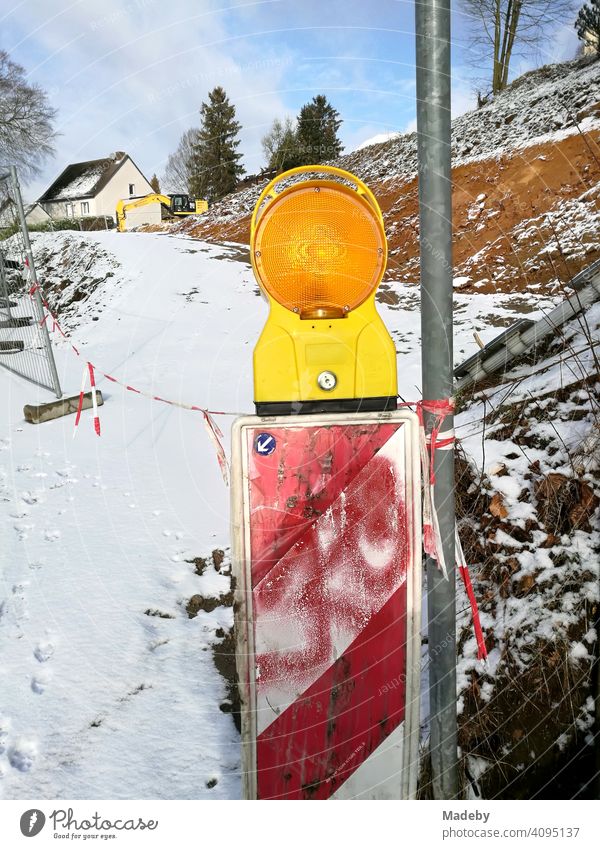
[(31, 206), (84, 179)]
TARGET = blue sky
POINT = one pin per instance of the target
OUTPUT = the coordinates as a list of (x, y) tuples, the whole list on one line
[(131, 74)]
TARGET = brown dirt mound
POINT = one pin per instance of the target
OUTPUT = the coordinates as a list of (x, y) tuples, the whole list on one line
[(519, 186)]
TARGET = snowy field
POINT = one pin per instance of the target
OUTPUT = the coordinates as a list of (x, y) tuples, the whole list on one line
[(100, 699)]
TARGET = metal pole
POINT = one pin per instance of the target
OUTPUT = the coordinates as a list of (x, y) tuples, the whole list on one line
[(435, 207), (4, 287), (37, 295)]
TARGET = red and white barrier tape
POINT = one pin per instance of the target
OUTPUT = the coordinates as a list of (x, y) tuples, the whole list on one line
[(90, 370), (432, 540), (464, 573), (429, 444), (215, 435)]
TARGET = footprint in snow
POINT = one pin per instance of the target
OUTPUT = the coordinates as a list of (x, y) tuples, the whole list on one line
[(62, 482), (65, 479), (43, 651), (51, 536), (19, 513), (22, 754), (40, 681), (178, 557), (4, 733), (22, 529), (29, 498), (18, 602)]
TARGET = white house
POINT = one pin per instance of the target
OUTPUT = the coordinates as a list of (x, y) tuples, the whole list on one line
[(93, 189), (34, 213), (590, 43)]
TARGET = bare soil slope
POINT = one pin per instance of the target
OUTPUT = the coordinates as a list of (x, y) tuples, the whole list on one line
[(526, 180)]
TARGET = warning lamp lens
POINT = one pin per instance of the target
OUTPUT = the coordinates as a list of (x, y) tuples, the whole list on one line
[(319, 250)]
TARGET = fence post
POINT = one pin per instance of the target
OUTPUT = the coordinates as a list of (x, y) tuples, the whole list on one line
[(435, 209), (4, 288), (34, 280)]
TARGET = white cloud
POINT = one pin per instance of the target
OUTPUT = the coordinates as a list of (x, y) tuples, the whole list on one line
[(132, 75)]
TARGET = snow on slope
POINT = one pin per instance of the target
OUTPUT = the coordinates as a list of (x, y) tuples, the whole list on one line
[(535, 109), (380, 138), (530, 526), (532, 110), (101, 699)]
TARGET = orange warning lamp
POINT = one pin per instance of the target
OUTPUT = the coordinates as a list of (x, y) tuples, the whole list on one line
[(319, 251)]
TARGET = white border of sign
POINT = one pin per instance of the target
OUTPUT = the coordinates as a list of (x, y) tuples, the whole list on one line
[(240, 538)]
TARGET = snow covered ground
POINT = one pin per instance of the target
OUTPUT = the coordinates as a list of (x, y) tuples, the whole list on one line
[(102, 696)]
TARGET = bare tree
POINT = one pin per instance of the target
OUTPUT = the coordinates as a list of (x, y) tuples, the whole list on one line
[(26, 121), (280, 145), (179, 169), (502, 29)]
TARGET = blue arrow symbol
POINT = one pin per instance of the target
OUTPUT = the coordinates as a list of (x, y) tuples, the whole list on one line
[(265, 444)]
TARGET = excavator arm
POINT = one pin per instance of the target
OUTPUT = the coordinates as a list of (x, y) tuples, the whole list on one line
[(123, 205)]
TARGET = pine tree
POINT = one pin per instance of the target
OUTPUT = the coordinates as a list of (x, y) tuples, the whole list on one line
[(155, 184), (216, 166), (588, 24), (318, 124)]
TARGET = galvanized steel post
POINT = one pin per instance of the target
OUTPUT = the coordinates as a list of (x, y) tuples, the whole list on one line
[(36, 292), (435, 201)]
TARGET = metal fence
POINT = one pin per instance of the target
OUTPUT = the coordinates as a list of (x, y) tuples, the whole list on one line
[(25, 346)]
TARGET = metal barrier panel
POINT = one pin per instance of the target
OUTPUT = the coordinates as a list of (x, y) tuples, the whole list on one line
[(25, 346), (327, 555)]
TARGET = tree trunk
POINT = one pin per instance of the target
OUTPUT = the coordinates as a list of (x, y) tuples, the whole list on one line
[(512, 29), (502, 50), (497, 67)]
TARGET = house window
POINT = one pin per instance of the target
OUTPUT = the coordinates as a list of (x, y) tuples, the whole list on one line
[(70, 210), (85, 208), (131, 189)]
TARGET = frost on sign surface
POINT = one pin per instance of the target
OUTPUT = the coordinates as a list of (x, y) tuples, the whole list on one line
[(330, 544)]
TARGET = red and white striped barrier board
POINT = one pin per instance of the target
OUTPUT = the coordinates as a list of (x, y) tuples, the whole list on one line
[(327, 555)]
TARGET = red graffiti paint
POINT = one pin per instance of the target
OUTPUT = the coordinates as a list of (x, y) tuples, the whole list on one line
[(330, 538)]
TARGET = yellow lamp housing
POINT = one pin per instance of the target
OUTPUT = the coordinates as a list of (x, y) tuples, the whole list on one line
[(319, 251)]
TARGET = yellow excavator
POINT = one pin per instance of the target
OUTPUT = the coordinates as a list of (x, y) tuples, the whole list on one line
[(178, 205)]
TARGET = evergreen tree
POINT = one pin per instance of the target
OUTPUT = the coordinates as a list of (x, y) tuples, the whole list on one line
[(155, 184), (318, 125), (588, 24), (216, 166)]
